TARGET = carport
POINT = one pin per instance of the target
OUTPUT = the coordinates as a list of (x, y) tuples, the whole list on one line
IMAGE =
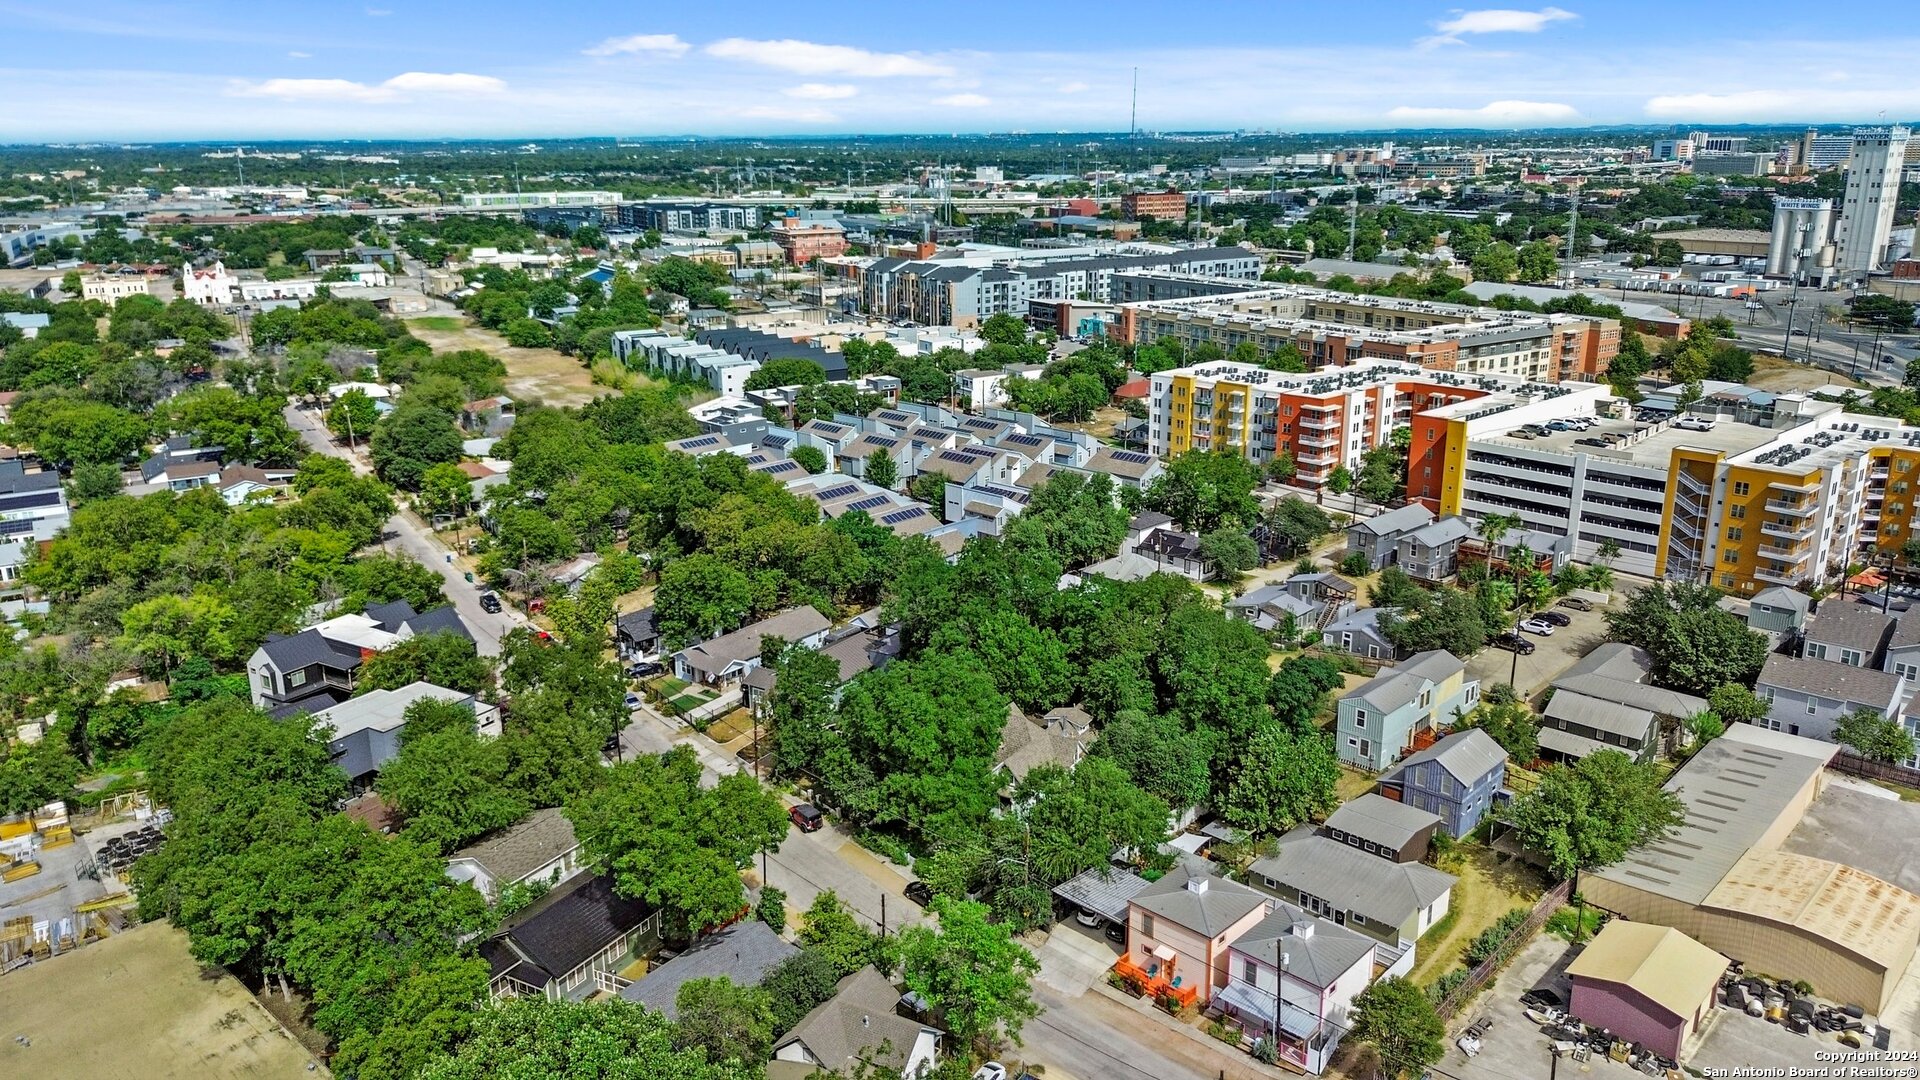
[(1104, 891)]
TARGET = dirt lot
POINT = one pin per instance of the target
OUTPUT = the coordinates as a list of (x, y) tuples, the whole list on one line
[(138, 1005), (1784, 376), (532, 374), (1486, 891)]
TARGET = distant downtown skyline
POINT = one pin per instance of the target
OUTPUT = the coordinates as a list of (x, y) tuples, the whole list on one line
[(226, 70)]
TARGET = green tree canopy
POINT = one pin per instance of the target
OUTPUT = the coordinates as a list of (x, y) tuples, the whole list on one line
[(1590, 814)]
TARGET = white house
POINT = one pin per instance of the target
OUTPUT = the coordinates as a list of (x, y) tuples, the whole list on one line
[(210, 286)]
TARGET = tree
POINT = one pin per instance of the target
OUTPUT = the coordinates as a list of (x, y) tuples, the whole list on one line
[(1203, 490), (1340, 480), (352, 416), (772, 908), (1284, 778), (577, 1040), (444, 489), (1451, 619), (1075, 821), (1231, 552), (1669, 253), (881, 470), (732, 1023), (1497, 261), (527, 333), (449, 787), (1513, 726), (1736, 704), (929, 488), (811, 458), (972, 970), (700, 597), (799, 983), (1590, 814), (1158, 755), (411, 439), (787, 372), (1297, 523), (1874, 736), (93, 481), (1398, 1019), (1003, 329), (1703, 727), (1537, 262), (829, 930), (1694, 645), (1355, 563), (443, 659), (666, 840)]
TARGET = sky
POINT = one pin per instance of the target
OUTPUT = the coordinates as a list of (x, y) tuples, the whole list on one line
[(268, 69)]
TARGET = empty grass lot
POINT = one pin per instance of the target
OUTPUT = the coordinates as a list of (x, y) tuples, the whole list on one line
[(1487, 890), (546, 375)]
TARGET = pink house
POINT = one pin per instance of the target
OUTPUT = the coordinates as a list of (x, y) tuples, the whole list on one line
[(1181, 927), (1300, 973)]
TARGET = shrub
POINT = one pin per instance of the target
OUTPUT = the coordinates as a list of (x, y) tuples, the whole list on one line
[(1263, 1051), (772, 908), (888, 846), (1488, 944), (1446, 984), (1222, 1032), (1355, 564)]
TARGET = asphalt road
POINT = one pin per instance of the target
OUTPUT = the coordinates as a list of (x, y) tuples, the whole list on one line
[(409, 535)]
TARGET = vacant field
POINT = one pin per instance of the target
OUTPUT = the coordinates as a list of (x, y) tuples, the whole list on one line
[(532, 374), (1779, 376), (138, 1005), (1487, 890)]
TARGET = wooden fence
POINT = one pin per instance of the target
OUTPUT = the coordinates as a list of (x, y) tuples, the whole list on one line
[(1852, 764), (1484, 972)]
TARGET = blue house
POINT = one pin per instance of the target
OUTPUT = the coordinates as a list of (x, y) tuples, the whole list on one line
[(1378, 720), (1455, 778)]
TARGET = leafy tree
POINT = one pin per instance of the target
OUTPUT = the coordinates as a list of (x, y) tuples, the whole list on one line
[(772, 908), (1669, 253), (972, 970), (1497, 261), (788, 372), (1205, 490), (67, 432), (528, 334), (449, 786), (1736, 704), (443, 659), (811, 458), (1075, 517), (1355, 563), (1159, 755), (930, 488), (1398, 1019), (1450, 619), (881, 470), (1395, 589), (93, 481), (1694, 645), (1231, 552), (700, 597), (1537, 262), (1298, 689), (1704, 726), (1297, 523), (799, 983), (1340, 480), (1590, 814), (577, 1040), (829, 931), (444, 489), (1075, 821), (411, 439), (731, 1023), (353, 416), (1874, 736), (1003, 330), (1513, 726), (678, 846), (1284, 778)]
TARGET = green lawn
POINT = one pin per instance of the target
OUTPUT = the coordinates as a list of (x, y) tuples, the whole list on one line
[(442, 323)]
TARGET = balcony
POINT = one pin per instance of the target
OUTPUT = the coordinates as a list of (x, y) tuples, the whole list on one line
[(1319, 440), (1793, 555), (1156, 979), (1318, 459), (1788, 530), (1798, 509), (1778, 577), (1795, 485)]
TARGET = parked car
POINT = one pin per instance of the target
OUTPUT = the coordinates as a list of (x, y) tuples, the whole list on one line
[(644, 669), (1512, 642), (807, 817), (1089, 919), (1537, 626), (490, 603), (1593, 441), (919, 892), (1694, 423), (1576, 603), (633, 701), (992, 1070), (1520, 433), (1554, 617)]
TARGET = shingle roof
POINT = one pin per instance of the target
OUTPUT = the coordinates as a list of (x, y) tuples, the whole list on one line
[(744, 644), (1444, 531), (1384, 821), (1826, 679), (743, 952), (307, 648), (1403, 519), (1387, 892), (563, 930), (1782, 597), (441, 620), (1616, 672), (1465, 755), (1208, 912), (1850, 626), (858, 1018), (512, 853), (1026, 745), (1316, 951), (1393, 688)]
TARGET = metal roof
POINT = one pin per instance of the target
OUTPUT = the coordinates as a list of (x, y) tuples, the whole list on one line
[(1466, 755), (1102, 890), (1353, 880), (1595, 714), (1384, 821)]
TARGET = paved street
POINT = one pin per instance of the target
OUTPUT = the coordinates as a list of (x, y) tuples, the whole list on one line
[(415, 539)]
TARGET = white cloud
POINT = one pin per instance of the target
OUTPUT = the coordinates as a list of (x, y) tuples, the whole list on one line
[(812, 58), (1493, 21), (1072, 88), (298, 55), (814, 91), (1492, 114), (1800, 103), (411, 82), (798, 114), (661, 44), (963, 101)]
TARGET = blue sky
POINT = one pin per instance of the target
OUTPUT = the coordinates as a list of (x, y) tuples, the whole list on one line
[(488, 68)]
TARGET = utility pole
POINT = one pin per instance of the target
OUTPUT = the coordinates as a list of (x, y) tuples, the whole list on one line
[(1573, 226)]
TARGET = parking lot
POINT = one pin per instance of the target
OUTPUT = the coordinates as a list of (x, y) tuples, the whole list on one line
[(1551, 656), (1515, 1047)]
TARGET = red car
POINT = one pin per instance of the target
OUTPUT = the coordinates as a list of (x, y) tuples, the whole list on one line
[(807, 817)]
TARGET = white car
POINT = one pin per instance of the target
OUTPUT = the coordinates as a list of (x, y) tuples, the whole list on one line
[(1537, 626), (992, 1070), (1693, 423)]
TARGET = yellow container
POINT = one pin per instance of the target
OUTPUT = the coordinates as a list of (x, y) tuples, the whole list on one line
[(19, 870), (11, 829)]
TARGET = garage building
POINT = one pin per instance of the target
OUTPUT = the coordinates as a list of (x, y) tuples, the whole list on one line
[(1647, 984)]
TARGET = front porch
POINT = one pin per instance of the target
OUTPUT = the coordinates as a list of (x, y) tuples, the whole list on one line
[(1157, 980)]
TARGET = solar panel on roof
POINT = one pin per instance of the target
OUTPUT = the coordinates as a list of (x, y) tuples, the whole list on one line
[(899, 516), (1132, 458), (871, 501)]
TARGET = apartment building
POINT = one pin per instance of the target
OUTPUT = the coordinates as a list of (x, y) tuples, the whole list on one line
[(688, 216), (529, 200), (964, 292), (1158, 205), (112, 288), (804, 241), (1337, 328)]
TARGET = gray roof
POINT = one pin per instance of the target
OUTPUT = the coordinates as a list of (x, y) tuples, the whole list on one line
[(1826, 679), (1384, 821), (858, 1017), (1597, 715), (744, 643), (1316, 950), (512, 853), (743, 952), (1445, 531), (1782, 597), (1403, 519), (441, 620), (1208, 911), (1466, 755), (563, 930), (310, 647), (1906, 632), (1850, 626), (1385, 892), (1026, 744), (1733, 792), (1617, 672), (1102, 890), (1393, 688), (1106, 460), (1572, 744)]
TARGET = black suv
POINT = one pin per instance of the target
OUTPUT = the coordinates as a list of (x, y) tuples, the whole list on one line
[(1512, 642), (490, 603)]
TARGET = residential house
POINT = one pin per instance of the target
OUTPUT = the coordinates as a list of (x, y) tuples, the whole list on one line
[(1381, 717), (1361, 634), (723, 661), (365, 732), (1432, 553), (1378, 537), (1311, 600), (32, 504), (743, 953), (1616, 675), (1392, 902), (1060, 738), (1551, 551), (1387, 828), (1851, 634), (1903, 649), (488, 417), (862, 650), (239, 484), (1300, 974), (1180, 928), (636, 635), (852, 1028), (317, 667), (1575, 725), (570, 943), (1807, 697), (178, 465), (540, 847), (1779, 610), (1457, 778), (1153, 536), (1128, 468)]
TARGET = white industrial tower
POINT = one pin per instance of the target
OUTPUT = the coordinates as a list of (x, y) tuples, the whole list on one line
[(1866, 208)]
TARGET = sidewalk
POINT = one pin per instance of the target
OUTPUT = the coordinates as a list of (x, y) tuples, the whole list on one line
[(1243, 1065)]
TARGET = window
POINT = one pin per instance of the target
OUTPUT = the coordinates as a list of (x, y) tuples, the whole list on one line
[(1850, 656), (1727, 580), (1360, 718), (1813, 706), (1249, 971), (1146, 924), (1734, 533), (1730, 557), (1816, 651), (1740, 487), (295, 678), (1736, 512)]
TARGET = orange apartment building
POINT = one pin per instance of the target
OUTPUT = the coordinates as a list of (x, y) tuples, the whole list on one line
[(804, 241), (1169, 205)]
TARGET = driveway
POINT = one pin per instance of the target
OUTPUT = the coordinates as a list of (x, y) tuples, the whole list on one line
[(1552, 655), (410, 535)]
